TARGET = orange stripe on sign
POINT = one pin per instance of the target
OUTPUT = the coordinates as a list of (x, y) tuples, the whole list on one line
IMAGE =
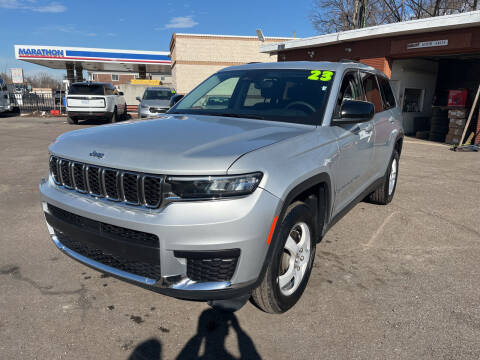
[(272, 229)]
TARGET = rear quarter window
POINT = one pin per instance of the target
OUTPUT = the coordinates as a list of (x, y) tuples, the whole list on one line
[(372, 91), (387, 93)]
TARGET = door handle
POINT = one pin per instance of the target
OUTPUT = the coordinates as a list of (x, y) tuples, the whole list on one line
[(391, 119)]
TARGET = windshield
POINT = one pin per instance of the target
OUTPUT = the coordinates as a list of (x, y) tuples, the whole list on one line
[(157, 94), (82, 89), (297, 96)]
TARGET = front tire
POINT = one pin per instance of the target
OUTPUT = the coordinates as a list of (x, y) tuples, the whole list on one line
[(384, 194), (288, 272), (72, 121)]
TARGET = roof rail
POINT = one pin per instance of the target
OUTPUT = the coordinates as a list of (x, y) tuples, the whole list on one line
[(349, 61)]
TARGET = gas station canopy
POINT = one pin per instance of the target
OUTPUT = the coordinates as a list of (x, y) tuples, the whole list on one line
[(91, 59)]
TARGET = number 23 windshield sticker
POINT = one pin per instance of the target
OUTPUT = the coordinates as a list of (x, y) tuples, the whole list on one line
[(320, 75)]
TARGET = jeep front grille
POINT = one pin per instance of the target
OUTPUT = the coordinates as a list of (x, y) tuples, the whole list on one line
[(128, 187)]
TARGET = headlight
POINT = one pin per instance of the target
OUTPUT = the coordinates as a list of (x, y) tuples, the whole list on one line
[(209, 187)]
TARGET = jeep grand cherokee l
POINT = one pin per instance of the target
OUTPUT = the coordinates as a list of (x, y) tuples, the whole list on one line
[(222, 201)]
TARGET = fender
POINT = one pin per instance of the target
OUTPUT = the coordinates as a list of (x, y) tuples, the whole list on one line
[(322, 178)]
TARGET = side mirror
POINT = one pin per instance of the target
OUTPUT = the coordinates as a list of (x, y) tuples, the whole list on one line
[(120, 93), (175, 98), (355, 111), (138, 98)]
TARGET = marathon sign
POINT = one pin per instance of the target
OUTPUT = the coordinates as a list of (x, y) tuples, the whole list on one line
[(40, 52)]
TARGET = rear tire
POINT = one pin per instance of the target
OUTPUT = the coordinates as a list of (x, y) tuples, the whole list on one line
[(278, 292), (125, 113), (72, 121), (114, 117), (383, 195)]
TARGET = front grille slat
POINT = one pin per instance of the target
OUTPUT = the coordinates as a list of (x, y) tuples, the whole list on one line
[(78, 174), (54, 169), (152, 191), (110, 184), (131, 184), (136, 189), (65, 173), (94, 180)]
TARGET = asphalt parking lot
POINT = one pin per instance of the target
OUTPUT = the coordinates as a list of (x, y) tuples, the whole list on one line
[(394, 282)]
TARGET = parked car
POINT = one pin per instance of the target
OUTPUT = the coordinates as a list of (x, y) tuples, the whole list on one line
[(5, 104), (155, 100), (87, 100), (226, 203)]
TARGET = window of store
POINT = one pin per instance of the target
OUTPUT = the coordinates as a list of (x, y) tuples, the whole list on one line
[(413, 100), (114, 77)]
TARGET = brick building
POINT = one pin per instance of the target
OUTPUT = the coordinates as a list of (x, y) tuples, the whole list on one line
[(424, 58), (195, 57), (120, 78)]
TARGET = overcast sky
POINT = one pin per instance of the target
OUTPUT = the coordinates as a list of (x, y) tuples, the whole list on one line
[(139, 25)]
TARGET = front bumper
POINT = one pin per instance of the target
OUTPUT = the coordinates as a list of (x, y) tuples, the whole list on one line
[(89, 114), (4, 108), (202, 226), (144, 113)]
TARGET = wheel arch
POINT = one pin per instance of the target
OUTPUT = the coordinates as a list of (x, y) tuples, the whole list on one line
[(315, 192), (318, 185), (399, 144)]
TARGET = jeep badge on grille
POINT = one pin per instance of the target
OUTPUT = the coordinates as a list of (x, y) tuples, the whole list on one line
[(96, 154)]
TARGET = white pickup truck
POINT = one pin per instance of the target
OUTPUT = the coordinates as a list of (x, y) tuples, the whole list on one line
[(87, 100)]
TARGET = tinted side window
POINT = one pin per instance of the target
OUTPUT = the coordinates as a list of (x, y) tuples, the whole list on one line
[(371, 90), (108, 90), (387, 93), (349, 90)]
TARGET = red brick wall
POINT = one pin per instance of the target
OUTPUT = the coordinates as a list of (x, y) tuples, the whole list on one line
[(380, 52), (122, 78)]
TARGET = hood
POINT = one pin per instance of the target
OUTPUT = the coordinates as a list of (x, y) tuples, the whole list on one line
[(157, 103), (173, 144)]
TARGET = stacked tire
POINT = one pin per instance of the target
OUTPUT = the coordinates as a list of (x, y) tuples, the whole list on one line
[(438, 124)]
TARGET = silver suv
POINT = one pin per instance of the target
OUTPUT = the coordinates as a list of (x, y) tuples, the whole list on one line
[(226, 196), (155, 100)]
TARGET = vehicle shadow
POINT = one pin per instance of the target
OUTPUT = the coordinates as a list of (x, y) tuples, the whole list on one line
[(7, 114), (212, 330)]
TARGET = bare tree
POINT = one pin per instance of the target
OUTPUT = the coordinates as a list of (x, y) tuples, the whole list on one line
[(43, 80), (339, 15)]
